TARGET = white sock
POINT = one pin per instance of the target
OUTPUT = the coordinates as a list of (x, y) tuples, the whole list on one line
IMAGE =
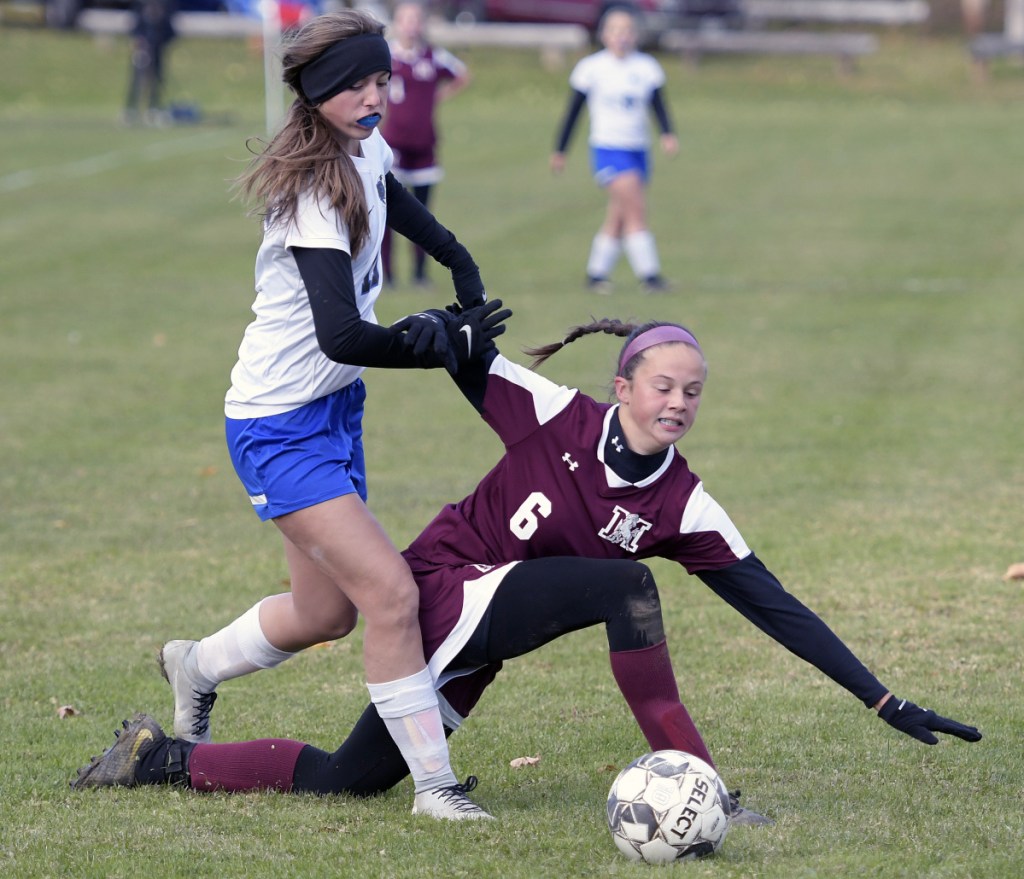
[(604, 253), (409, 710), (238, 649), (642, 253)]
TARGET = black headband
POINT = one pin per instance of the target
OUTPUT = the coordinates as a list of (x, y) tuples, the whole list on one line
[(343, 64)]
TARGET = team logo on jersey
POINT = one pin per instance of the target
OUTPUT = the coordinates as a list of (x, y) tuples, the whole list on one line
[(382, 192), (424, 70), (625, 529)]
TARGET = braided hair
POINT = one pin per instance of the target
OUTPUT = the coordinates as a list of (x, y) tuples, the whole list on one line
[(607, 325)]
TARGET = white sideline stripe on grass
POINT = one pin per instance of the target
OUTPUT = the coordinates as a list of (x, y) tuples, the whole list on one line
[(112, 161)]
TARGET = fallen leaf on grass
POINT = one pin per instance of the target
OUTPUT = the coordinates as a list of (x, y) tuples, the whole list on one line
[(67, 711), (1015, 572), (520, 762)]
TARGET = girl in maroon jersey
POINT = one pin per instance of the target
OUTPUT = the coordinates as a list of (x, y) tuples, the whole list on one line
[(422, 76), (550, 542)]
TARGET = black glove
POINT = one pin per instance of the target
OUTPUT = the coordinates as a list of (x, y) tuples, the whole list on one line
[(922, 723), (472, 331), (426, 331)]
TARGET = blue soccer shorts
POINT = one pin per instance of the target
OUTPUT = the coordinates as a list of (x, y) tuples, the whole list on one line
[(609, 164), (294, 460)]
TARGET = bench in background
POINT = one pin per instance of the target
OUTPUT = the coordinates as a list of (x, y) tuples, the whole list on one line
[(846, 48)]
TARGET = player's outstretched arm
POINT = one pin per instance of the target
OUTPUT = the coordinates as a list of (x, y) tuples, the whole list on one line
[(922, 723), (411, 219)]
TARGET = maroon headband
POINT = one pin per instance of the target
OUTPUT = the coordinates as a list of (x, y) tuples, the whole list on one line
[(656, 336)]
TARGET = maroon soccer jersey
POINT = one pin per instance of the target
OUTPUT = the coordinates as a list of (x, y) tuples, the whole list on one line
[(552, 494), (415, 77)]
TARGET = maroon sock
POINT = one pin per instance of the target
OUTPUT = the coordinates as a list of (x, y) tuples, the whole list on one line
[(684, 735), (238, 766), (648, 684)]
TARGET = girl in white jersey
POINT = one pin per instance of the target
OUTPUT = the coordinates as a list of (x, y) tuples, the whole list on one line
[(548, 543), (619, 85), (294, 409)]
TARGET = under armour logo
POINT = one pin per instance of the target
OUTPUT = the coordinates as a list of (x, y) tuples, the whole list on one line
[(568, 460), (617, 443)]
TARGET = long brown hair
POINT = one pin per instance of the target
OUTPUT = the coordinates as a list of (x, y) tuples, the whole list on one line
[(305, 154), (609, 326)]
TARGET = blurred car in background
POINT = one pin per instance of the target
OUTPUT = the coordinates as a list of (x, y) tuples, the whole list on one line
[(655, 16)]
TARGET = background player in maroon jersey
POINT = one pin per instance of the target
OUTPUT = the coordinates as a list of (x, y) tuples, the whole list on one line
[(548, 543), (422, 76)]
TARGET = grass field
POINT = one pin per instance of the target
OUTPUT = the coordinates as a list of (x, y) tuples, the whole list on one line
[(849, 251)]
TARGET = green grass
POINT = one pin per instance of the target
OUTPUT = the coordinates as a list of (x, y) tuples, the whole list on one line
[(850, 252)]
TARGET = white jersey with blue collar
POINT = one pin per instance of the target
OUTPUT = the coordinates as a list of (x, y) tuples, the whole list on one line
[(280, 365), (618, 94)]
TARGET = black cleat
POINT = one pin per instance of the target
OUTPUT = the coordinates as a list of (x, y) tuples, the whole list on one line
[(115, 767), (655, 284), (744, 817)]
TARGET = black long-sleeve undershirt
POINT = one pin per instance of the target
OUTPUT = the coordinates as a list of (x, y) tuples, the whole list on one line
[(572, 112), (472, 377), (409, 218), (661, 111), (576, 101), (749, 587), (341, 332)]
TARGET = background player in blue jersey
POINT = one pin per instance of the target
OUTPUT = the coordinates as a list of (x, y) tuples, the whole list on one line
[(550, 542), (619, 86), (294, 409)]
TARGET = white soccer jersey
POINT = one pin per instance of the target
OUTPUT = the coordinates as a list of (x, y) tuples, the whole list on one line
[(618, 94), (280, 365)]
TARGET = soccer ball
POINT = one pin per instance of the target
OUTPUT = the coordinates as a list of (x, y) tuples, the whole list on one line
[(667, 806)]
